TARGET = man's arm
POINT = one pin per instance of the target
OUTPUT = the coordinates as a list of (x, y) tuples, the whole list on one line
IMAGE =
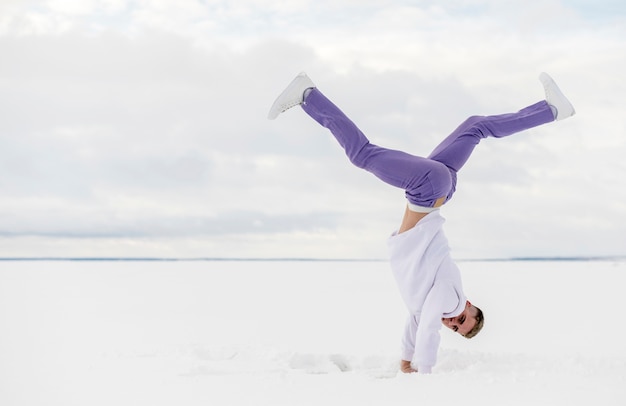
[(408, 344), (441, 296)]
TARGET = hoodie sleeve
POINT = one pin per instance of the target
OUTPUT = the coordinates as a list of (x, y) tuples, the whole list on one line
[(441, 298), (408, 339)]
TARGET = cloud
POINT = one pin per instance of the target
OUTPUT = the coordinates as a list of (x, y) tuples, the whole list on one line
[(145, 121)]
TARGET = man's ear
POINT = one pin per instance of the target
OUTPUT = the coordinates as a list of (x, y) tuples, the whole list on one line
[(468, 304)]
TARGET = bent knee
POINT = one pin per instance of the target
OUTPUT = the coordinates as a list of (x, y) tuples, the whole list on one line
[(472, 120), (362, 156)]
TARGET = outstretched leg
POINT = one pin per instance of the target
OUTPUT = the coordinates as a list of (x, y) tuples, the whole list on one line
[(424, 180), (455, 150), (458, 146)]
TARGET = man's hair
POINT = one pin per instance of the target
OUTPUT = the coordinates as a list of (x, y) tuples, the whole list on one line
[(480, 321)]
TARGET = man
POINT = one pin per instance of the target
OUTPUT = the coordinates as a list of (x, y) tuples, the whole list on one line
[(428, 279)]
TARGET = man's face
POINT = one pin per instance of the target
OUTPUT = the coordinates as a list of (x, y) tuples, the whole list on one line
[(464, 322)]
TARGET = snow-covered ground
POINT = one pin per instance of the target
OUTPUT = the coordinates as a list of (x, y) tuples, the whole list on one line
[(301, 333)]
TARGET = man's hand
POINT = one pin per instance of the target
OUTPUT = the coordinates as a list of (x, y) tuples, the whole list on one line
[(405, 366)]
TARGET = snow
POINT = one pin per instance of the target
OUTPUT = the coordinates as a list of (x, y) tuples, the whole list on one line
[(301, 333)]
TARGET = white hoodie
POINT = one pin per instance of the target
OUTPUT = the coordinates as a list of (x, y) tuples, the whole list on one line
[(430, 285)]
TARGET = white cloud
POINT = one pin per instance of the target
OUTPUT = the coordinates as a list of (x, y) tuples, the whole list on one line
[(72, 7), (140, 126)]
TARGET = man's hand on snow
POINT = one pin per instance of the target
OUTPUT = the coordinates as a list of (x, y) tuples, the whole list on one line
[(405, 366)]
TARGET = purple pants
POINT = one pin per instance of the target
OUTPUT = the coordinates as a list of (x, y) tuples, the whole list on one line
[(424, 179)]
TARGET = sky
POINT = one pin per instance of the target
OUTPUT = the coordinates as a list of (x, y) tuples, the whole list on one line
[(139, 129)]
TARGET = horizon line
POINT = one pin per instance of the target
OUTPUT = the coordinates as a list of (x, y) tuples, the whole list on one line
[(305, 259)]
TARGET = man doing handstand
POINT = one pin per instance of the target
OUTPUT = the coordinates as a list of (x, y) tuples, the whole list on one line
[(428, 279)]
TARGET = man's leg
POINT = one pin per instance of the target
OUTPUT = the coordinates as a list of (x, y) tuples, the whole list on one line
[(458, 146), (424, 180), (455, 150)]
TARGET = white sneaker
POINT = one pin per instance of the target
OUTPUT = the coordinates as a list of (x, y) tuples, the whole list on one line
[(555, 98), (292, 96)]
